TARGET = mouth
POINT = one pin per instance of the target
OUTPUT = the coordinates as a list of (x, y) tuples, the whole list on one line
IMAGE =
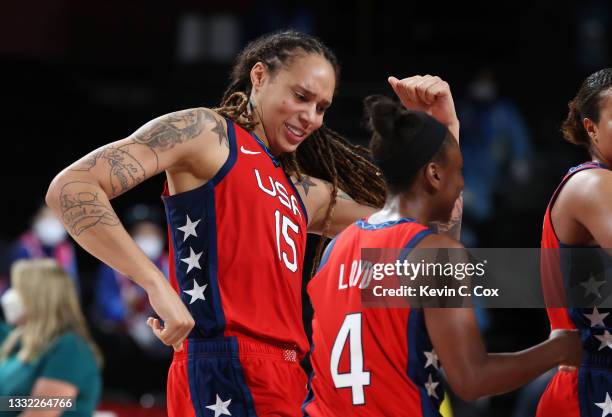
[(294, 134)]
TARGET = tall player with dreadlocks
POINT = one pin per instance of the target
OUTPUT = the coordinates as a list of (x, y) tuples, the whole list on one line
[(245, 182)]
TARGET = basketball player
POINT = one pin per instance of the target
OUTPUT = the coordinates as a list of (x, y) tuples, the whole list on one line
[(245, 182), (384, 361), (578, 216)]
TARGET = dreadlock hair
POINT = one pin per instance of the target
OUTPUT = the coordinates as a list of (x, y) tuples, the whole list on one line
[(586, 105), (325, 154)]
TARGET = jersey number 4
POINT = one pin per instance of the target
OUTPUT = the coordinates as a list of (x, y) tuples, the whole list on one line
[(356, 378)]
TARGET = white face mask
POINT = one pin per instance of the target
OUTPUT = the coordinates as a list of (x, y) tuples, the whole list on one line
[(483, 90), (50, 231), (151, 246), (12, 306)]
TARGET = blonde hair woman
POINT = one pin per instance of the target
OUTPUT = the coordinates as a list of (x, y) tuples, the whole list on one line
[(49, 351)]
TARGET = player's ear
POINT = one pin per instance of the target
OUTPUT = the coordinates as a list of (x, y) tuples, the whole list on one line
[(590, 128), (258, 75), (433, 175)]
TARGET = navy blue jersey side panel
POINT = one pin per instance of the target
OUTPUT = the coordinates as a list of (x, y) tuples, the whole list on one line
[(192, 219)]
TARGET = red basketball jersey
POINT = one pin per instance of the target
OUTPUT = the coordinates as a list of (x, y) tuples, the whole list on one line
[(554, 276), (567, 274), (366, 361), (237, 246)]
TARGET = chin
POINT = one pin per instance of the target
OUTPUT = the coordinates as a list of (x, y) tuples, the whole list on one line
[(286, 147)]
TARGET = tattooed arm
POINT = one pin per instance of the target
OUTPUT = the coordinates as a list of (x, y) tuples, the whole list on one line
[(316, 195), (187, 143)]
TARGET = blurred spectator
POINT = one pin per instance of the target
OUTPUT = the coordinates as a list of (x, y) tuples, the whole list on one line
[(48, 351), (47, 238), (493, 137), (120, 312), (121, 304), (4, 268), (593, 23)]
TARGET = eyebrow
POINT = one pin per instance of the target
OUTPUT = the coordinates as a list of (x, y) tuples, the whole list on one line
[(310, 93)]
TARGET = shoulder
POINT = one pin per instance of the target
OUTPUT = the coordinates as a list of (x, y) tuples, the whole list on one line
[(199, 135), (316, 191), (586, 185), (439, 240), (313, 191)]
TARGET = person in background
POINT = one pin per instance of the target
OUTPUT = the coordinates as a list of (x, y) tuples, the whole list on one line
[(46, 238), (45, 346), (119, 302), (494, 136), (136, 360)]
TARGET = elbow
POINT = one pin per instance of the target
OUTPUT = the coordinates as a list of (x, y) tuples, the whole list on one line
[(52, 196), (466, 386), (466, 393)]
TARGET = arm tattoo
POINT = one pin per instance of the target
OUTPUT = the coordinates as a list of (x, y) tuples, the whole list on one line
[(170, 130), (82, 208), (305, 182), (220, 132), (341, 194), (125, 171), (453, 227)]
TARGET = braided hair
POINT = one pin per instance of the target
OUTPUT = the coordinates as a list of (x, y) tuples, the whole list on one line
[(325, 154)]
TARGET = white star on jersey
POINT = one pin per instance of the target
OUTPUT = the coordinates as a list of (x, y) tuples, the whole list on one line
[(432, 359), (430, 386), (197, 292), (220, 407), (592, 287), (605, 339), (189, 228), (606, 406), (596, 318), (193, 261)]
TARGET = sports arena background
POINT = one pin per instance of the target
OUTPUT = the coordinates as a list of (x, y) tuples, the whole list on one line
[(76, 75)]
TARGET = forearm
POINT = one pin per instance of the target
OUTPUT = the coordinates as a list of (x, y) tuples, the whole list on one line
[(453, 127), (503, 372), (84, 208)]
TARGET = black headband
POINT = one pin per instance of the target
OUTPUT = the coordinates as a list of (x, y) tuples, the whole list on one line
[(415, 154)]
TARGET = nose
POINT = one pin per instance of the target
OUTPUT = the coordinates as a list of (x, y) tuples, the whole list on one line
[(309, 116)]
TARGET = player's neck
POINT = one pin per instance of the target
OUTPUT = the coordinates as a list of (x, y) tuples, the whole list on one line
[(399, 206)]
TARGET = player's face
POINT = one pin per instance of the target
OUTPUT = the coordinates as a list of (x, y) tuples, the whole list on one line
[(603, 128), (452, 184), (293, 102)]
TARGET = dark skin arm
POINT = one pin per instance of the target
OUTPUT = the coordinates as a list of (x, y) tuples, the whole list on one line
[(473, 372)]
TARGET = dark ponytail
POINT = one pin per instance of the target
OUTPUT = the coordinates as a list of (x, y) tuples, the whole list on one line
[(403, 141), (586, 105)]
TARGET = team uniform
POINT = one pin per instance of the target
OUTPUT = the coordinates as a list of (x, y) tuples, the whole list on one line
[(368, 362), (567, 274), (237, 244)]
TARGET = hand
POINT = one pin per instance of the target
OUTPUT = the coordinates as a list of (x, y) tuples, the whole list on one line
[(169, 307), (570, 346), (428, 94)]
